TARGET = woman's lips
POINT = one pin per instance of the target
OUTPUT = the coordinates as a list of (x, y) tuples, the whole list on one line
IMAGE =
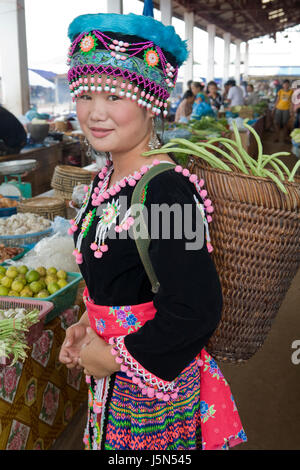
[(99, 132)]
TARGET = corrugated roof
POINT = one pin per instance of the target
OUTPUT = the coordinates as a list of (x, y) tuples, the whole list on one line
[(244, 19)]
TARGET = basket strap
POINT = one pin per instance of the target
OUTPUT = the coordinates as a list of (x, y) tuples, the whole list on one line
[(142, 239)]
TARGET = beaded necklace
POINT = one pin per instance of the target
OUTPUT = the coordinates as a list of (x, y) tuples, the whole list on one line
[(111, 211)]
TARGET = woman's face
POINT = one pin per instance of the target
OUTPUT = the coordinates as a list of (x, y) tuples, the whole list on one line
[(212, 89), (112, 123), (195, 89)]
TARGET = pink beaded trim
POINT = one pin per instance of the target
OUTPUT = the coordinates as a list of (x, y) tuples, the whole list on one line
[(208, 207), (150, 385)]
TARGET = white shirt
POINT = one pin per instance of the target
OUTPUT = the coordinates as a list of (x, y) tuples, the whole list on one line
[(235, 94)]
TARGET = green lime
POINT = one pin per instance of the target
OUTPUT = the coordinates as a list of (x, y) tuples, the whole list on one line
[(35, 286), (43, 293), (51, 270), (61, 274), (13, 293), (62, 283), (42, 271), (53, 287), (6, 281), (4, 290), (22, 269), (26, 292), (2, 270), (17, 286), (11, 272), (32, 276), (50, 278)]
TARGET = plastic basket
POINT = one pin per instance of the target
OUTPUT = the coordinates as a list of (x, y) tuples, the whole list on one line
[(25, 239), (35, 330), (7, 211)]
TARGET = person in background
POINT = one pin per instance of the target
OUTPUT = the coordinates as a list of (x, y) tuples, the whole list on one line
[(252, 97), (282, 110), (235, 95), (215, 97), (189, 85), (296, 106), (13, 136), (185, 108)]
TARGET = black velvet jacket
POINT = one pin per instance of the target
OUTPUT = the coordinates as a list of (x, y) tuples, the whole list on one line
[(189, 301)]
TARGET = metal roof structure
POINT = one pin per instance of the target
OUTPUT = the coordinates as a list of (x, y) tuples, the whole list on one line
[(244, 19)]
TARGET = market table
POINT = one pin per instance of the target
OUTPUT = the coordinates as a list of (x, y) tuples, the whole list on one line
[(39, 397)]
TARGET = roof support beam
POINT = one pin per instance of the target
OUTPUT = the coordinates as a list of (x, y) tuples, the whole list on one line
[(227, 41), (211, 30), (166, 12), (189, 36)]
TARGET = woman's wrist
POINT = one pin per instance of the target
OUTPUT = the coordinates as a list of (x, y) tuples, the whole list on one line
[(84, 319)]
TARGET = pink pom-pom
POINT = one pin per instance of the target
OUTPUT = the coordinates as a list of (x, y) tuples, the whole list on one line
[(185, 172), (207, 202), (94, 246), (118, 229), (111, 340), (79, 260), (117, 188), (74, 228), (98, 254), (131, 182), (137, 176), (70, 231), (144, 391), (150, 392), (94, 203), (144, 169), (178, 168), (209, 218), (166, 397), (88, 379), (94, 196), (96, 190), (201, 183), (101, 175), (159, 395), (72, 222), (125, 226), (112, 192), (114, 352), (96, 409), (210, 209), (119, 360), (193, 178), (130, 220), (105, 195), (124, 368), (75, 252), (174, 395), (135, 379), (122, 183), (209, 247), (100, 184), (104, 248), (203, 193), (104, 170), (156, 162), (129, 373), (100, 199)]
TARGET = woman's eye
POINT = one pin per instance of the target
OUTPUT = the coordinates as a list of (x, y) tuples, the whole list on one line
[(85, 97), (113, 97)]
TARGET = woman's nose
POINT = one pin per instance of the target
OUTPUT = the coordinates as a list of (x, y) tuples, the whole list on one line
[(98, 111)]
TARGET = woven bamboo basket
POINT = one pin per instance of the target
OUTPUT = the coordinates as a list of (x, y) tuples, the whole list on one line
[(66, 177), (255, 233), (48, 207)]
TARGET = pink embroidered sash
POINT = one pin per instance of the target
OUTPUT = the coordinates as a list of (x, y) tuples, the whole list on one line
[(220, 422)]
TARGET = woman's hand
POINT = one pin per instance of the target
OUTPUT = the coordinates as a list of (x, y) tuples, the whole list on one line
[(96, 357), (76, 337)]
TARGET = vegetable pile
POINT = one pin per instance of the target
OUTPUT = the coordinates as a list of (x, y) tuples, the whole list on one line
[(14, 323), (295, 135), (233, 153)]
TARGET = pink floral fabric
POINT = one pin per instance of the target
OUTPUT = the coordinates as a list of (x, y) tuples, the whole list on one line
[(18, 436), (9, 379), (41, 349), (49, 404)]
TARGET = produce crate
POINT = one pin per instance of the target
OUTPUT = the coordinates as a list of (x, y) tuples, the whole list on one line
[(39, 397), (35, 330), (25, 239), (7, 211)]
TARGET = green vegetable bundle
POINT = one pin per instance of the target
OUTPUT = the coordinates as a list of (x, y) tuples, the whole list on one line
[(12, 335), (235, 154), (295, 135)]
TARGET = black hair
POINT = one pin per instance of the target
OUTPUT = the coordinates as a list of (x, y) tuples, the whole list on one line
[(188, 94), (286, 81), (231, 82)]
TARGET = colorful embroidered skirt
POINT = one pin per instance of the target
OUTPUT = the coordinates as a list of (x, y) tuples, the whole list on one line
[(122, 417)]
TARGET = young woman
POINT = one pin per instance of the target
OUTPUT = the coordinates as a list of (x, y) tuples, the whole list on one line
[(151, 383), (185, 108), (214, 96)]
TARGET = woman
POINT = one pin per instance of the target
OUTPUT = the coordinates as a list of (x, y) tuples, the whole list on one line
[(149, 387), (185, 108), (214, 96), (201, 106)]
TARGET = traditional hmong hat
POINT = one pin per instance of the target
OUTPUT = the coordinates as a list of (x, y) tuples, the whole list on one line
[(137, 48)]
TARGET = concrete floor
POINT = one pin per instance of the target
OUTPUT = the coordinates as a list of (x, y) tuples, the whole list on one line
[(266, 388)]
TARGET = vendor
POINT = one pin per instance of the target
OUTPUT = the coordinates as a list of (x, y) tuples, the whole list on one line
[(184, 110), (13, 136), (141, 348), (283, 108), (252, 97), (235, 96)]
